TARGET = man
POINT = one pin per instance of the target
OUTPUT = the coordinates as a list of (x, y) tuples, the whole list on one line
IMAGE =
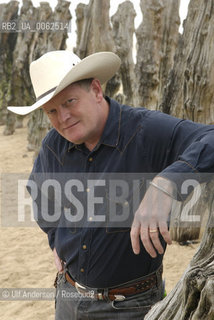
[(106, 271)]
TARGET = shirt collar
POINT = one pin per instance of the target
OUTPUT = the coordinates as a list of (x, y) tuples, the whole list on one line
[(111, 132)]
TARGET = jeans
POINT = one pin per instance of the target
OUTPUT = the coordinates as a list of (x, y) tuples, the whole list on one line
[(70, 305)]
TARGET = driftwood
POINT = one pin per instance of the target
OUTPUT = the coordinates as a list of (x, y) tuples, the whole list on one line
[(81, 12), (123, 30), (93, 28), (8, 12), (157, 40), (190, 90), (20, 84), (94, 34), (193, 296)]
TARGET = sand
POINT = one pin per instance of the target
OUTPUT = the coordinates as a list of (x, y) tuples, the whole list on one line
[(25, 258)]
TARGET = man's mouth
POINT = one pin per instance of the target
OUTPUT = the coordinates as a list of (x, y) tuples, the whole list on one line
[(71, 126)]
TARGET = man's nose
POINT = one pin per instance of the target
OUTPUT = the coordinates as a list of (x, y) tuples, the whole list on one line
[(63, 114)]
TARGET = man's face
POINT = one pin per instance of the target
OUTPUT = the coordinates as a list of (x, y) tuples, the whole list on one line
[(78, 113)]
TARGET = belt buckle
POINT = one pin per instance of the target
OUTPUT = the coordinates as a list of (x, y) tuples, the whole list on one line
[(83, 291)]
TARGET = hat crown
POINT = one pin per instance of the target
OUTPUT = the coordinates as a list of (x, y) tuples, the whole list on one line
[(51, 68)]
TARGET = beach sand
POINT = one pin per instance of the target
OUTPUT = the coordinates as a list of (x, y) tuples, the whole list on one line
[(26, 260)]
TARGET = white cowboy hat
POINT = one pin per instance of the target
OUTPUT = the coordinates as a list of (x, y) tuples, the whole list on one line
[(55, 70)]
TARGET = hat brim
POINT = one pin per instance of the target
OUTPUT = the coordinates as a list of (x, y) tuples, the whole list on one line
[(100, 65)]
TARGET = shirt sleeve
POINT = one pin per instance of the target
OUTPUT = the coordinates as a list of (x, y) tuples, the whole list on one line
[(191, 156), (36, 178)]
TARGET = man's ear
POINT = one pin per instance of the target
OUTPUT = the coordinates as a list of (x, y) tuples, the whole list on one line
[(97, 89)]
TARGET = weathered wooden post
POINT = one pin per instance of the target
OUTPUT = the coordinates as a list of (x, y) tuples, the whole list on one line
[(8, 13), (123, 31), (193, 296), (157, 38)]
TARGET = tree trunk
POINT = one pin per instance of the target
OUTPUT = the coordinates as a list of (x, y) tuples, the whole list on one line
[(8, 12), (123, 30), (157, 38), (81, 12), (190, 90), (192, 298), (21, 91), (94, 32)]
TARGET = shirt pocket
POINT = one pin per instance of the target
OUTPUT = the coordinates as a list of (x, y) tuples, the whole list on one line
[(120, 211)]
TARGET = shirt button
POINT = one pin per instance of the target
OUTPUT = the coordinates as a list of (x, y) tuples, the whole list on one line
[(90, 159), (84, 247), (82, 270)]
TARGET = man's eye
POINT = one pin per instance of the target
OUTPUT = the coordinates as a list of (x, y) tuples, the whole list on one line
[(52, 111), (69, 101)]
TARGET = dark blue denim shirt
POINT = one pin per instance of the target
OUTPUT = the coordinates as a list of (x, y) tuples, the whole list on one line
[(135, 140)]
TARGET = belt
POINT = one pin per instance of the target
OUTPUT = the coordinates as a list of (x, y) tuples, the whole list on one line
[(118, 293)]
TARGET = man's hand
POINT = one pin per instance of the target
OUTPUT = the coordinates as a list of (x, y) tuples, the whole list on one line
[(58, 262), (151, 218)]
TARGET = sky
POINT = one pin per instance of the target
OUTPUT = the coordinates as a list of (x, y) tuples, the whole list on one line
[(113, 9)]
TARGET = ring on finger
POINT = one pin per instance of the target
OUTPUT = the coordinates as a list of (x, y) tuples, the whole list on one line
[(153, 230)]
